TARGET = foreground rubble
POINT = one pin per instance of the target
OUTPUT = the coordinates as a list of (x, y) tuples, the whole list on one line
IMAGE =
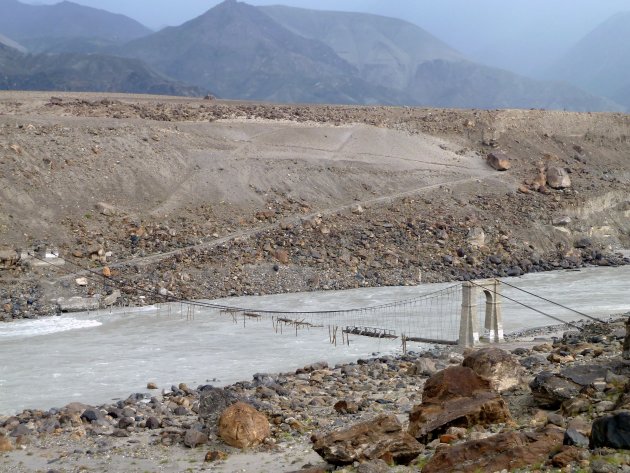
[(544, 405)]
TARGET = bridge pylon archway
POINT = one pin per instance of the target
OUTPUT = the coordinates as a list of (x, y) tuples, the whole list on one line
[(493, 323)]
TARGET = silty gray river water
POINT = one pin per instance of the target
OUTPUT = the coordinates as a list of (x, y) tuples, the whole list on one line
[(95, 358)]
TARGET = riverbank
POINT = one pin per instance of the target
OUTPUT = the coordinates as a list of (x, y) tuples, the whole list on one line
[(151, 345), (146, 432)]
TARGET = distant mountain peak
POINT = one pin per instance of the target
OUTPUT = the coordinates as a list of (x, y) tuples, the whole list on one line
[(66, 19)]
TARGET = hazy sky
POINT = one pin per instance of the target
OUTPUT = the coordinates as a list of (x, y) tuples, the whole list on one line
[(522, 35)]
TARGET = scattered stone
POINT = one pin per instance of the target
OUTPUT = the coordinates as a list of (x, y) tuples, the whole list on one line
[(81, 282), (216, 455), (383, 438), (561, 221), (346, 406), (153, 423), (573, 437), (193, 438), (151, 385), (358, 210), (582, 243), (92, 415), (476, 237), (558, 178), (282, 256), (105, 209), (423, 367)]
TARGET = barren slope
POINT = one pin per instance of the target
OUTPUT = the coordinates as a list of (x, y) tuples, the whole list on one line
[(213, 198)]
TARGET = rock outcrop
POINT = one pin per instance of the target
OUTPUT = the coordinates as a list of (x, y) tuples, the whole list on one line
[(506, 451), (380, 439), (456, 397)]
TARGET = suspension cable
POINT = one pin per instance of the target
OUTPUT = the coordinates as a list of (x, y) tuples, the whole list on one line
[(529, 307), (552, 302)]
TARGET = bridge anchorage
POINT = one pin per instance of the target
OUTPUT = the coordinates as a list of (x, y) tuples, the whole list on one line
[(493, 323)]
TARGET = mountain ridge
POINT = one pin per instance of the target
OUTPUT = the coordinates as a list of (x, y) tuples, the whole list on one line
[(240, 52), (378, 46), (21, 22), (84, 73)]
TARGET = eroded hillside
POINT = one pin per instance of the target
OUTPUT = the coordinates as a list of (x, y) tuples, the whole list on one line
[(200, 198)]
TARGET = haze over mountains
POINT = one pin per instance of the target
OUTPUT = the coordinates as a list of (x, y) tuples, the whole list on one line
[(600, 62), (287, 54)]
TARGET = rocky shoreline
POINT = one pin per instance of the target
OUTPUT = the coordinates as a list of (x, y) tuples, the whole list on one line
[(24, 299), (545, 391)]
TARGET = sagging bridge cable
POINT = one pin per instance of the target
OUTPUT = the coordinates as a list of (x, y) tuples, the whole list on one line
[(570, 324)]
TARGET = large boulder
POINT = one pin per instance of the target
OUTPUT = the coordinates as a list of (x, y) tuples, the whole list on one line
[(382, 438), (500, 368), (498, 160), (452, 383), (456, 397), (242, 426), (5, 444), (551, 390), (558, 178), (503, 452), (612, 431)]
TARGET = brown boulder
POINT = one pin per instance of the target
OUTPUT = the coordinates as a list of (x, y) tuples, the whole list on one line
[(500, 368), (382, 438), (453, 382), (506, 451), (569, 454), (558, 178), (5, 444), (429, 421), (456, 397), (242, 426), (499, 161), (346, 406)]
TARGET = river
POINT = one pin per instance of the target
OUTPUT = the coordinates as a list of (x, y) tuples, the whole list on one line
[(99, 357)]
